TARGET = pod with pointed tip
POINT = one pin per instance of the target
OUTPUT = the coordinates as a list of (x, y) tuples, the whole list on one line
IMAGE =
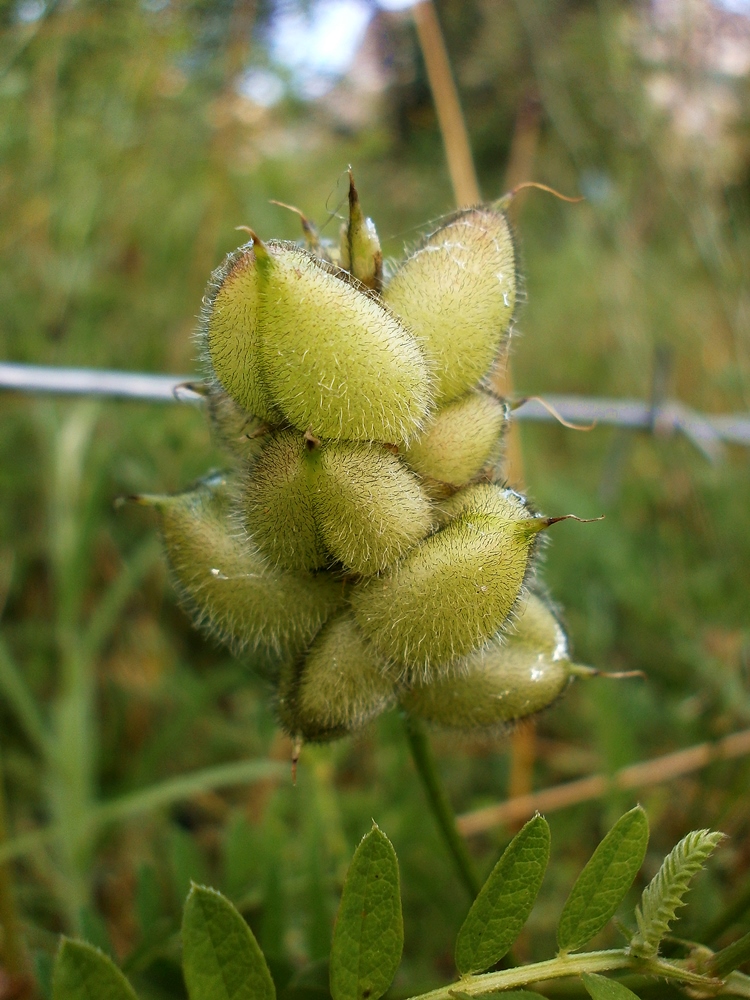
[(308, 503), (459, 440), (516, 675), (336, 361), (230, 333), (454, 591), (285, 335), (338, 687), (457, 293), (369, 507), (226, 582), (360, 247), (277, 505)]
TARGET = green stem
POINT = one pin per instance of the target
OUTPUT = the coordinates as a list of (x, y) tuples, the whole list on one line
[(568, 965), (72, 785), (20, 700), (183, 787), (156, 796), (13, 952), (437, 797), (731, 957)]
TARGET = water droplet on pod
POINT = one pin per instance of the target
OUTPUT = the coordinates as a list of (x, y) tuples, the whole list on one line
[(515, 675)]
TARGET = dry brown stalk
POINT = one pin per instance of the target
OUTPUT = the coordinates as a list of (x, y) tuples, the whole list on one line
[(447, 105), (650, 772), (466, 192)]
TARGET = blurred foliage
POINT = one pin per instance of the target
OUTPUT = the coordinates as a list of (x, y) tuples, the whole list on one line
[(128, 154)]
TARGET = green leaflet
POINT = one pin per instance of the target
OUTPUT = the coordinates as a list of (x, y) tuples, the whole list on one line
[(221, 959), (369, 933), (82, 972), (599, 988), (664, 894), (603, 883), (505, 901)]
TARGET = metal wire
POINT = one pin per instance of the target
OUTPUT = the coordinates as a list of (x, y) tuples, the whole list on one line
[(707, 433)]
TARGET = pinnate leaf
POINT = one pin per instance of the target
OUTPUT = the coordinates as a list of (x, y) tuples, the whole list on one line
[(369, 933), (664, 894), (603, 883), (499, 912), (82, 972), (599, 988), (221, 959)]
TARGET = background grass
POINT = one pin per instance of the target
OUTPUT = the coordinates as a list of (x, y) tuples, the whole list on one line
[(127, 157)]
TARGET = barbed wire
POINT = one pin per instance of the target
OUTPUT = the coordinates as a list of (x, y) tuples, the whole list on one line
[(707, 433)]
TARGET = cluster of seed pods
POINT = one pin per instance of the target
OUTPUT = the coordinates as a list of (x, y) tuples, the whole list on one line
[(366, 534)]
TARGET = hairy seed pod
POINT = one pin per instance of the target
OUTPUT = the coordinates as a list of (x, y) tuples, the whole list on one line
[(459, 440), (369, 507), (231, 334), (277, 505), (457, 293), (360, 247), (337, 688), (514, 676), (455, 590), (227, 584), (336, 362), (239, 432)]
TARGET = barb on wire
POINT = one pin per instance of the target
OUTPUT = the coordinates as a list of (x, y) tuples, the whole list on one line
[(707, 433)]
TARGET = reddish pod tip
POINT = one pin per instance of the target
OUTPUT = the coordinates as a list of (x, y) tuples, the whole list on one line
[(261, 251), (307, 227), (518, 403), (353, 193), (143, 499), (570, 517)]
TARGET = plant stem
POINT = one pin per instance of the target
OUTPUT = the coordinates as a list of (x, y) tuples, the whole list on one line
[(447, 105), (731, 957), (72, 784), (437, 797), (157, 796), (165, 793), (568, 965), (19, 699)]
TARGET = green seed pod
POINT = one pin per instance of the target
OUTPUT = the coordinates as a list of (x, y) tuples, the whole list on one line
[(369, 507), (360, 247), (238, 431), (335, 361), (277, 505), (514, 676), (457, 293), (455, 590), (459, 440), (231, 336), (227, 584), (337, 688)]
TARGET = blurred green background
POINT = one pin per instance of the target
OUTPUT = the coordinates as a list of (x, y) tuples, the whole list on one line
[(135, 135)]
